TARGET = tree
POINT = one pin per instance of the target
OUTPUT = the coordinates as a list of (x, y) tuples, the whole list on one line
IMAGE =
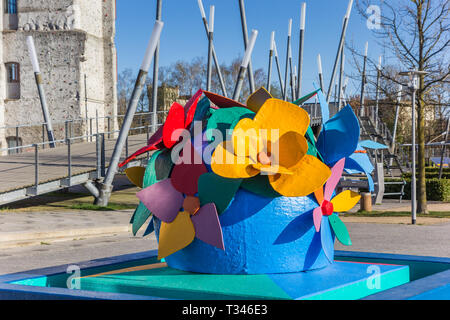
[(416, 33)]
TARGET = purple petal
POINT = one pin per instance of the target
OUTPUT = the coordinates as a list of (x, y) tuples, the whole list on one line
[(162, 199), (207, 226)]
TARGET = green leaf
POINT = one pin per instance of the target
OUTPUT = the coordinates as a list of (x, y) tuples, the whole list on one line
[(226, 119), (213, 188), (260, 185), (305, 98), (340, 230)]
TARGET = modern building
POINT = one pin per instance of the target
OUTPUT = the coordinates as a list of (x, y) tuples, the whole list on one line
[(74, 40)]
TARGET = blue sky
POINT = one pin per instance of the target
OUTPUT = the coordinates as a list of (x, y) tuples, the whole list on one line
[(183, 36)]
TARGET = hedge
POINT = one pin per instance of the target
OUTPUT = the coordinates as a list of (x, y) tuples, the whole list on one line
[(430, 175), (437, 190)]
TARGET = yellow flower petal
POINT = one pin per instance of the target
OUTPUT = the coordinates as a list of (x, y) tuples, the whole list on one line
[(176, 235), (272, 169), (257, 99), (289, 150), (345, 201), (136, 175), (310, 175), (224, 163), (282, 115), (245, 138)]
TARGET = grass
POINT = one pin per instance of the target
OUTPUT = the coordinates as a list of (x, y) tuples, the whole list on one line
[(433, 214), (93, 207), (122, 199)]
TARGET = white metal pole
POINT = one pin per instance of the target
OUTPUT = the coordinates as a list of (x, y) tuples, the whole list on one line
[(244, 64), (301, 49)]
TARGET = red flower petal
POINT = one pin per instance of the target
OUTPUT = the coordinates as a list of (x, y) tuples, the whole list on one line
[(174, 122)]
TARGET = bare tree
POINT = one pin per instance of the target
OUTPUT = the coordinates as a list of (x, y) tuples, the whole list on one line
[(416, 33)]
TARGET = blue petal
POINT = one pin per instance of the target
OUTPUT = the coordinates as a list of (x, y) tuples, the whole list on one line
[(369, 144), (323, 105), (339, 136), (327, 239)]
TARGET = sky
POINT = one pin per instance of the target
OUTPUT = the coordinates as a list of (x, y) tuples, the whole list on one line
[(184, 38)]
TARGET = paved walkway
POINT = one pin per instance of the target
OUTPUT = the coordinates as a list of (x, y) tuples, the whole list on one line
[(30, 240)]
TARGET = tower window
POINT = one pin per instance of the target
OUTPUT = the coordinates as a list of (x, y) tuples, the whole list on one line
[(13, 80), (11, 6), (12, 72)]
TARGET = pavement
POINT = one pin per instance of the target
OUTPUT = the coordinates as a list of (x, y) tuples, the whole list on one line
[(31, 240)]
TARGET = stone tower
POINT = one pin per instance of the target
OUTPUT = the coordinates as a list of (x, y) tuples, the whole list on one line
[(74, 41)]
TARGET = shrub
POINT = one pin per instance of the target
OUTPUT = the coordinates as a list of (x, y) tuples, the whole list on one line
[(437, 190)]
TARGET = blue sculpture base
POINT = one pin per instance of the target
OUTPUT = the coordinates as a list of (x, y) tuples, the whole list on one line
[(261, 236)]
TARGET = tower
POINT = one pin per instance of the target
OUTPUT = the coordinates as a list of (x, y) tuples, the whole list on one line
[(74, 41)]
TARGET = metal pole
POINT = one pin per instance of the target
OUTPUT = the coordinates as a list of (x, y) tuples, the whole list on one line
[(244, 65), (38, 78), (300, 50), (36, 166), (341, 76), (443, 150), (106, 186), (397, 112), (292, 76), (210, 46), (277, 61), (86, 105), (363, 82), (216, 61), (155, 71), (413, 146), (344, 90), (69, 162), (245, 34), (377, 94), (288, 48), (269, 72), (341, 45), (319, 66)]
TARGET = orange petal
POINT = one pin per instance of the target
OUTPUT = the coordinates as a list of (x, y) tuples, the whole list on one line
[(191, 204), (226, 164), (310, 175), (319, 196), (176, 235)]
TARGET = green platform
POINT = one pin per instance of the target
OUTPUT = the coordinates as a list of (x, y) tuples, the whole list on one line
[(342, 280)]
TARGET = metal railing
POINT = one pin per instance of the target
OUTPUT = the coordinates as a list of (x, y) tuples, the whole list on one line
[(90, 126)]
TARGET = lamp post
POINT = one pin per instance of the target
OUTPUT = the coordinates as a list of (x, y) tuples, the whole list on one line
[(413, 86)]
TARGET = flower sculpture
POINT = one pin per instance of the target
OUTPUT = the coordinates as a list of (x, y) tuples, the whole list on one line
[(165, 199), (265, 167), (178, 118), (326, 212), (273, 144)]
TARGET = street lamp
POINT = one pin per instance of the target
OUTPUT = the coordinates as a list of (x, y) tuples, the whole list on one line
[(413, 85)]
